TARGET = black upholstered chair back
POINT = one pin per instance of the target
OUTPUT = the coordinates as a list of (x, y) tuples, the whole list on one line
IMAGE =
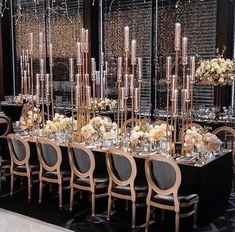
[(19, 149), (163, 175), (121, 167), (49, 154), (81, 159)]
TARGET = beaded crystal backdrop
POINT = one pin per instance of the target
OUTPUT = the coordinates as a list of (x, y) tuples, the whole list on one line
[(198, 20), (60, 20), (138, 16)]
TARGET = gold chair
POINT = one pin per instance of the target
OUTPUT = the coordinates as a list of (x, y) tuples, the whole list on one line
[(129, 123), (83, 175), (123, 183), (185, 128), (5, 163), (50, 158), (164, 178), (20, 166), (227, 135)]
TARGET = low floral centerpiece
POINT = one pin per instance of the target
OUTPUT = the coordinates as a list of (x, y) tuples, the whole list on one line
[(102, 104), (201, 139), (100, 128), (21, 99), (148, 137), (217, 71), (60, 123)]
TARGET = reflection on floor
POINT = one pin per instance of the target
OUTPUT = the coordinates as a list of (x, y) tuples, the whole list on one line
[(80, 220)]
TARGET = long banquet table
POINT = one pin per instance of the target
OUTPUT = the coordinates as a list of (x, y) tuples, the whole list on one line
[(212, 181)]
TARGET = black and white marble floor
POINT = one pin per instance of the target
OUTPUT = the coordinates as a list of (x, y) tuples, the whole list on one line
[(80, 220)]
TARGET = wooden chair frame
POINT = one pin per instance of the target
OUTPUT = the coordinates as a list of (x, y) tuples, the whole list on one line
[(113, 180), (8, 130), (130, 121), (7, 165), (16, 162), (153, 188), (45, 168), (89, 174), (229, 130)]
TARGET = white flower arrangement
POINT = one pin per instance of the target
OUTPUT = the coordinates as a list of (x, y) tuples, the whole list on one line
[(149, 132), (103, 104), (203, 140), (99, 127), (29, 118), (60, 123), (217, 71), (20, 99)]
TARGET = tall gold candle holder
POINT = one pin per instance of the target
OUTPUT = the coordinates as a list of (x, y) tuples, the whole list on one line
[(83, 98)]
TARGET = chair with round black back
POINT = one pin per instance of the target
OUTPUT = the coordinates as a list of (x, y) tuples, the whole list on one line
[(227, 136), (20, 166), (5, 163), (50, 159), (164, 178), (123, 183), (83, 174)]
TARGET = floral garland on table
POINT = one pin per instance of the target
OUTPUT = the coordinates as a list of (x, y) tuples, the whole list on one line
[(216, 71), (103, 104), (60, 123), (30, 116), (20, 99), (201, 139), (99, 127)]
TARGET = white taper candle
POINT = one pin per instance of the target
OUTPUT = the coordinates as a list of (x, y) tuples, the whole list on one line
[(184, 50), (133, 52), (126, 36), (168, 69), (177, 36), (71, 69), (192, 68)]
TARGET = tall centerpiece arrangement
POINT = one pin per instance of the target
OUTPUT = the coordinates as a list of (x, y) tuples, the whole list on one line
[(129, 84), (174, 90)]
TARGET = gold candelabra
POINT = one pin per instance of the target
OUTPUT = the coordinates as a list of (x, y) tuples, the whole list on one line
[(173, 89)]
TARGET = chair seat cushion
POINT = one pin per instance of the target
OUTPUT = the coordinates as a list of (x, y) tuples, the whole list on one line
[(22, 168), (99, 178), (140, 186), (168, 200), (53, 174)]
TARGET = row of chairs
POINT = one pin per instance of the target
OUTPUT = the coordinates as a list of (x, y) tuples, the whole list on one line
[(162, 174)]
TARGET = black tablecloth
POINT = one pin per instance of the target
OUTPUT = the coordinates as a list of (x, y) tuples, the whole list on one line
[(212, 183), (12, 111)]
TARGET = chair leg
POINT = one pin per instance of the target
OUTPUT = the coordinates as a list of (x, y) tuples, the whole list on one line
[(29, 188), (93, 205), (133, 214), (12, 184), (109, 207), (60, 196), (71, 199), (177, 218), (40, 191), (195, 216), (147, 218)]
